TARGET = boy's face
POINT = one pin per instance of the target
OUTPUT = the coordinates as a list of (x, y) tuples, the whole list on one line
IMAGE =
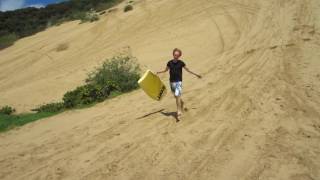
[(176, 55)]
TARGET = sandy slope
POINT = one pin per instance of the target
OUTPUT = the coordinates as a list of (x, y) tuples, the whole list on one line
[(255, 115)]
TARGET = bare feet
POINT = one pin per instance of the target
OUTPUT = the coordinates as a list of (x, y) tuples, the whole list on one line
[(178, 116)]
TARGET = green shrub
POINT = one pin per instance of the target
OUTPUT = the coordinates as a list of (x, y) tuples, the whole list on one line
[(7, 110), (7, 40), (77, 15), (51, 107), (84, 16), (128, 8), (106, 5), (93, 17), (119, 73), (85, 94)]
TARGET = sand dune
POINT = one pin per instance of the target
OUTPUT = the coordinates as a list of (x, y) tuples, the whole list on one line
[(254, 115)]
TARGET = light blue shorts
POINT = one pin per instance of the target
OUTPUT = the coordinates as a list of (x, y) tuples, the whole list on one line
[(176, 88)]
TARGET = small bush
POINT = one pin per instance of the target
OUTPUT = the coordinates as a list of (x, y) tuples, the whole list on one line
[(91, 17), (76, 15), (8, 40), (85, 95), (7, 110), (85, 16), (52, 107), (128, 8), (119, 73)]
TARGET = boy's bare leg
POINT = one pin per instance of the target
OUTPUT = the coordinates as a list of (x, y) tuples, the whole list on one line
[(182, 105), (179, 105)]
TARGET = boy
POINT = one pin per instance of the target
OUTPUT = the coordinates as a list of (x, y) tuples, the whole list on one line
[(175, 66)]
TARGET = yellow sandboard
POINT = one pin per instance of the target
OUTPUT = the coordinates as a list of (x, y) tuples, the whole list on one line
[(151, 84)]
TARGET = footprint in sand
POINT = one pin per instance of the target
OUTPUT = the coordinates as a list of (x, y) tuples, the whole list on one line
[(250, 51), (273, 47), (290, 44)]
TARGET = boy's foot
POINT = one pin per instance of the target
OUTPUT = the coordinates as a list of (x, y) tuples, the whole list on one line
[(178, 118)]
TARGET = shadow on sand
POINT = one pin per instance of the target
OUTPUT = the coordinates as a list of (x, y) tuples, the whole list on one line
[(168, 114)]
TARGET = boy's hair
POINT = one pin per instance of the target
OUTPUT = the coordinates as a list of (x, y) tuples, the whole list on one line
[(177, 49)]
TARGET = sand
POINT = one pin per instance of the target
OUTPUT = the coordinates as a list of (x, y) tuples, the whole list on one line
[(254, 115)]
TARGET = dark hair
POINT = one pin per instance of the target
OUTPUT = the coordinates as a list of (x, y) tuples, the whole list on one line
[(176, 49)]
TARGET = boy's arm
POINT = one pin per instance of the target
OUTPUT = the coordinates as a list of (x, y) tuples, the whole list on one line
[(159, 72), (188, 70)]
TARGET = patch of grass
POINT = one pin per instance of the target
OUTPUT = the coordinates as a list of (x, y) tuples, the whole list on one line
[(128, 7), (115, 94), (8, 122), (8, 40)]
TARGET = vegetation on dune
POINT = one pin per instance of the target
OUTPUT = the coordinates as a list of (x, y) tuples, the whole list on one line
[(128, 8), (119, 73), (50, 107), (28, 21), (10, 121), (116, 76), (7, 110), (7, 40), (84, 95)]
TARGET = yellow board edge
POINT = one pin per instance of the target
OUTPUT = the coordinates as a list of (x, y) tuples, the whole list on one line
[(152, 85)]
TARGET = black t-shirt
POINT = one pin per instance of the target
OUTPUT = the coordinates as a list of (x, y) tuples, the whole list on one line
[(175, 67)]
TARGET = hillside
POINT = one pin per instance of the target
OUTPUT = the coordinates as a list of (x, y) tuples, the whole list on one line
[(254, 115), (19, 23)]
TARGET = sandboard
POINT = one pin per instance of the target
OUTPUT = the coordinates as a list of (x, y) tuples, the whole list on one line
[(152, 85)]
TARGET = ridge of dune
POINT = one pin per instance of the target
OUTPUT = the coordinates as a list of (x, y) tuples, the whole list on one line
[(254, 115)]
